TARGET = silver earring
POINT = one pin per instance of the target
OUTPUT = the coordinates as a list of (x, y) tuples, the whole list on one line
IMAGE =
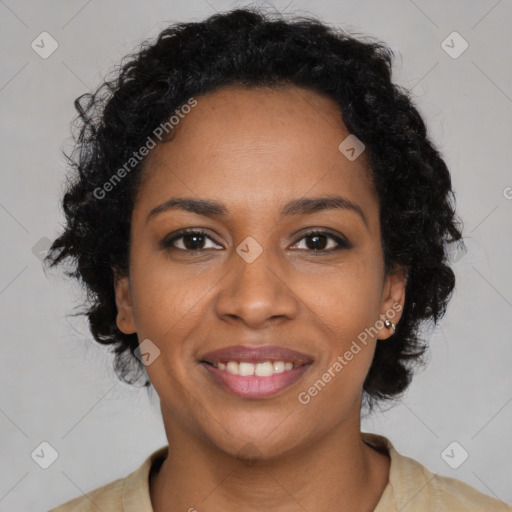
[(390, 325)]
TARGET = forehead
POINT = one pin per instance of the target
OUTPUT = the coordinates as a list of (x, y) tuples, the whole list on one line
[(255, 147)]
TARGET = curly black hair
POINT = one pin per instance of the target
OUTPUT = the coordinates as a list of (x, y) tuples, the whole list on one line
[(252, 48)]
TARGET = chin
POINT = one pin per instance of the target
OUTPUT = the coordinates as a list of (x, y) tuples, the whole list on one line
[(254, 443)]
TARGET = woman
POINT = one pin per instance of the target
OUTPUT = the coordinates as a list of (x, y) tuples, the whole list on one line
[(263, 226)]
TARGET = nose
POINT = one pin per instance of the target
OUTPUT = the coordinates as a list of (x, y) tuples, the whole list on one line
[(256, 293)]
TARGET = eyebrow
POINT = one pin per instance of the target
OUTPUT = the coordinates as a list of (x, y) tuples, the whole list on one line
[(304, 205)]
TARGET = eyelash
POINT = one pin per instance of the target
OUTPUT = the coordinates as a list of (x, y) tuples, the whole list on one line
[(342, 244)]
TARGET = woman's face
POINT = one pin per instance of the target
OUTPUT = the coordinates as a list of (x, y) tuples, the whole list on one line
[(256, 277)]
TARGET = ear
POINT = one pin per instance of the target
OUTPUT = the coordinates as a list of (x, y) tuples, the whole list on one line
[(393, 300), (125, 318)]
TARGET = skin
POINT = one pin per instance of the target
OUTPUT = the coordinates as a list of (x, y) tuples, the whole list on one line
[(254, 150)]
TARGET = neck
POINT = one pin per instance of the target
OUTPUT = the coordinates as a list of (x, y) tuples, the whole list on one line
[(338, 471)]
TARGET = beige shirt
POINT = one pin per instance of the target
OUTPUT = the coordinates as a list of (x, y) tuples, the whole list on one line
[(411, 488)]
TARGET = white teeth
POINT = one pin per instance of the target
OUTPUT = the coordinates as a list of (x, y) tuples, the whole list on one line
[(232, 367), (264, 369), (245, 369), (279, 366)]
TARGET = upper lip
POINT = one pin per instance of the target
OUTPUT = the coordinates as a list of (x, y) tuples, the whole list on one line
[(256, 353)]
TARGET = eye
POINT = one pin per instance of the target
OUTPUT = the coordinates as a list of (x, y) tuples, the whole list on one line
[(190, 240), (319, 241), (194, 240)]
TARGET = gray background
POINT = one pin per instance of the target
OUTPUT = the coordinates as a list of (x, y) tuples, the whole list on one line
[(57, 386)]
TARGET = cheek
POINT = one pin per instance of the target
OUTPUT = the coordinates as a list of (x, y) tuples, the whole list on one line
[(167, 311), (349, 346), (344, 307), (166, 300), (346, 299)]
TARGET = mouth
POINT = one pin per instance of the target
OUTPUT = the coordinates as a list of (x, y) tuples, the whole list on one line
[(255, 372)]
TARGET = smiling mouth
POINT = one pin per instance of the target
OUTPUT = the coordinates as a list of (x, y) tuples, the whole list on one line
[(255, 380), (255, 372), (257, 368)]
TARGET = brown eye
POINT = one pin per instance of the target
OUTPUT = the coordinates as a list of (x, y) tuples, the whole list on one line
[(318, 241), (190, 240)]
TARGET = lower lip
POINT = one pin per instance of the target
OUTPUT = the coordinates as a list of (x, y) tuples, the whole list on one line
[(253, 386)]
